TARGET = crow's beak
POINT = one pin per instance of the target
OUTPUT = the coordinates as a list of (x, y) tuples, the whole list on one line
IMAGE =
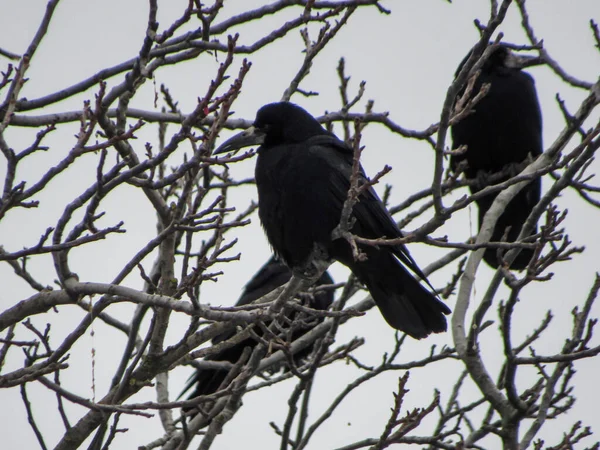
[(515, 61), (251, 136)]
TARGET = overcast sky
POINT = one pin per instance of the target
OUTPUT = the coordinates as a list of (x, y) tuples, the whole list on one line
[(408, 60)]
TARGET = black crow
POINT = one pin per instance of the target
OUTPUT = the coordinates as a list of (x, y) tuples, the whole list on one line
[(269, 277), (303, 177), (504, 128)]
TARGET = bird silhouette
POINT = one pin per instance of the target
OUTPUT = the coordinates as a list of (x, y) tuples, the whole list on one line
[(270, 276), (502, 131), (303, 177)]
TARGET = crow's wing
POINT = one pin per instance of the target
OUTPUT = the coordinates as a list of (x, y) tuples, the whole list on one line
[(372, 218)]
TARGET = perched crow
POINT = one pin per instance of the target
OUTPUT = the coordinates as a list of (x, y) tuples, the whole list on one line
[(303, 176), (269, 277), (505, 127)]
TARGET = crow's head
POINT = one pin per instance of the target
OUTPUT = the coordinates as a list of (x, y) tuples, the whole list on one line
[(275, 123)]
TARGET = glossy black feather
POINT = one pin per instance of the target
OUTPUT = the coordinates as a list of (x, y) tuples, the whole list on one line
[(303, 176), (504, 129), (269, 277)]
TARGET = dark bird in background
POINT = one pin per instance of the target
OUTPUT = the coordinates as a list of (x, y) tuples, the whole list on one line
[(269, 277), (502, 131), (303, 176)]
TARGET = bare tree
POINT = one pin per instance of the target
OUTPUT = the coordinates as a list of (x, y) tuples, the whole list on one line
[(161, 157)]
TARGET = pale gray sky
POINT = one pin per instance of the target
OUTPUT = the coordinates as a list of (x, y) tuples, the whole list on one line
[(408, 60)]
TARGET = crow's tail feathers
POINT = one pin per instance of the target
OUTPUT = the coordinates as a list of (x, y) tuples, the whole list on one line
[(204, 382), (514, 217), (404, 303), (492, 258), (208, 381)]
